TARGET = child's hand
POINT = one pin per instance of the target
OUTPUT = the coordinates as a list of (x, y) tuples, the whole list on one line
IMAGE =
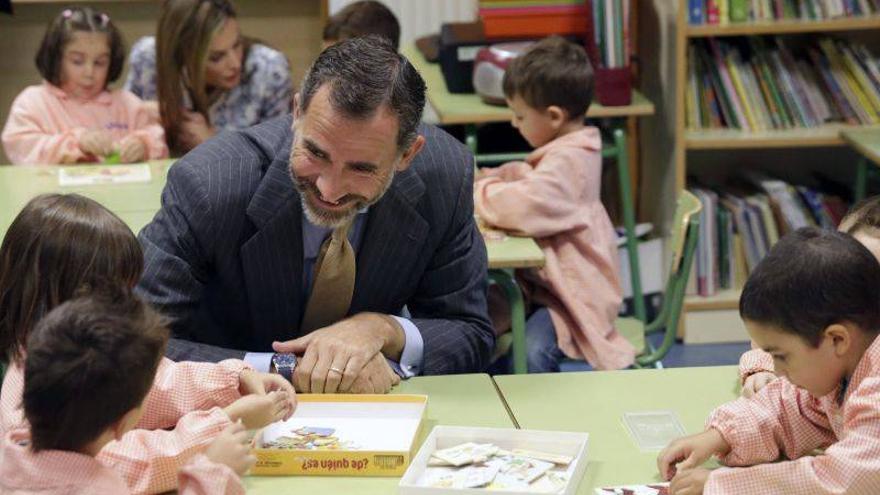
[(232, 448), (689, 452), (254, 382), (195, 129), (690, 482), (96, 143), (132, 150), (257, 411), (756, 382)]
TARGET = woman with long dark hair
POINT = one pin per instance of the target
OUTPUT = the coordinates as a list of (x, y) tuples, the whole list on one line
[(205, 75)]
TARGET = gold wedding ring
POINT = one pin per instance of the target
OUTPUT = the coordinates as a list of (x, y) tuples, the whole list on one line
[(336, 370)]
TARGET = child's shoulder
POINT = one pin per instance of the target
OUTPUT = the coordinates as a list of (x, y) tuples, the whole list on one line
[(574, 146), (34, 95)]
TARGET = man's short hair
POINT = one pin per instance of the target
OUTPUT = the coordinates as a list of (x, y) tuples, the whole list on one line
[(361, 19), (89, 362), (364, 74), (552, 72), (813, 278)]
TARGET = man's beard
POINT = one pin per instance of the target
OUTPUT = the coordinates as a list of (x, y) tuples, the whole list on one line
[(321, 217)]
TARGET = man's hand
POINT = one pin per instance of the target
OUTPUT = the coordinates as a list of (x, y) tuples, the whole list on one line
[(689, 482), (333, 357), (377, 377), (255, 383), (194, 129), (689, 452), (756, 382)]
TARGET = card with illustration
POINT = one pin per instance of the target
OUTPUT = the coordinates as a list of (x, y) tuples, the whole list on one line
[(453, 459), (89, 175), (653, 430), (466, 453), (484, 465), (652, 489)]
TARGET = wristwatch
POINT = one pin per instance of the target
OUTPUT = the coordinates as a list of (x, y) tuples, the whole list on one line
[(284, 364)]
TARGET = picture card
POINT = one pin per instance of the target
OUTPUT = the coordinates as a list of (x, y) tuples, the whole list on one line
[(651, 489), (653, 430), (90, 175)]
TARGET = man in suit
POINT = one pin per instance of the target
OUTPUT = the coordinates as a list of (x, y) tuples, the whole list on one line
[(311, 235)]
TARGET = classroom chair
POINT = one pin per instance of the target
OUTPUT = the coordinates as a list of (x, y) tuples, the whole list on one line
[(683, 245)]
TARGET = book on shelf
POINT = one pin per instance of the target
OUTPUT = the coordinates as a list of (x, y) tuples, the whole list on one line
[(761, 83), (722, 12), (741, 220)]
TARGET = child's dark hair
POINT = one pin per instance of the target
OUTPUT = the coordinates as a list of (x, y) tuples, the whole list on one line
[(811, 279), (58, 246), (865, 215), (552, 72), (90, 361), (60, 32), (363, 18)]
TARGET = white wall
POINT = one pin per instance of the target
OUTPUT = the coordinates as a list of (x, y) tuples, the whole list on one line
[(420, 17)]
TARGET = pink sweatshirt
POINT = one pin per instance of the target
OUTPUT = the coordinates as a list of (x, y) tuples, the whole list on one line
[(45, 124), (783, 420), (181, 417), (554, 197), (57, 472)]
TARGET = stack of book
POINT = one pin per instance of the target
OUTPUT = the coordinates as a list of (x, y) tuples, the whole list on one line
[(733, 11), (739, 224), (506, 19), (758, 83), (611, 31)]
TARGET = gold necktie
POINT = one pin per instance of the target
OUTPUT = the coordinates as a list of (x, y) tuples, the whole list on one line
[(333, 283)]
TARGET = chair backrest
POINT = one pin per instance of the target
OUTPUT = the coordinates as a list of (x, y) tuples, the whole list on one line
[(687, 209), (683, 245)]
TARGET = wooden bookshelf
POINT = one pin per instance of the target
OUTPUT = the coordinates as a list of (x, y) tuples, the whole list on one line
[(724, 305), (723, 299), (720, 139), (787, 26)]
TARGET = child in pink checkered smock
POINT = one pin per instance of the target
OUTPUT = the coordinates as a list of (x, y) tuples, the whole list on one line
[(61, 246), (812, 305), (863, 223), (91, 362)]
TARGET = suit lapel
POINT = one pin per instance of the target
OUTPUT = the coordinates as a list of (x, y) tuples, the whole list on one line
[(391, 246), (272, 258)]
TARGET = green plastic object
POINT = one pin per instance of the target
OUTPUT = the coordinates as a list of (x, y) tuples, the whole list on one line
[(113, 158)]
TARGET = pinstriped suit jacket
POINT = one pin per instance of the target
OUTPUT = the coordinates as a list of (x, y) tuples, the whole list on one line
[(224, 254)]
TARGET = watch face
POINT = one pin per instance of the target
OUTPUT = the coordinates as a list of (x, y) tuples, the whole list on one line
[(284, 360)]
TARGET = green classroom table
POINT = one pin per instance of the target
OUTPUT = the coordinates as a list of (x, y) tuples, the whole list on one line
[(135, 203), (594, 402), (468, 108), (457, 400)]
